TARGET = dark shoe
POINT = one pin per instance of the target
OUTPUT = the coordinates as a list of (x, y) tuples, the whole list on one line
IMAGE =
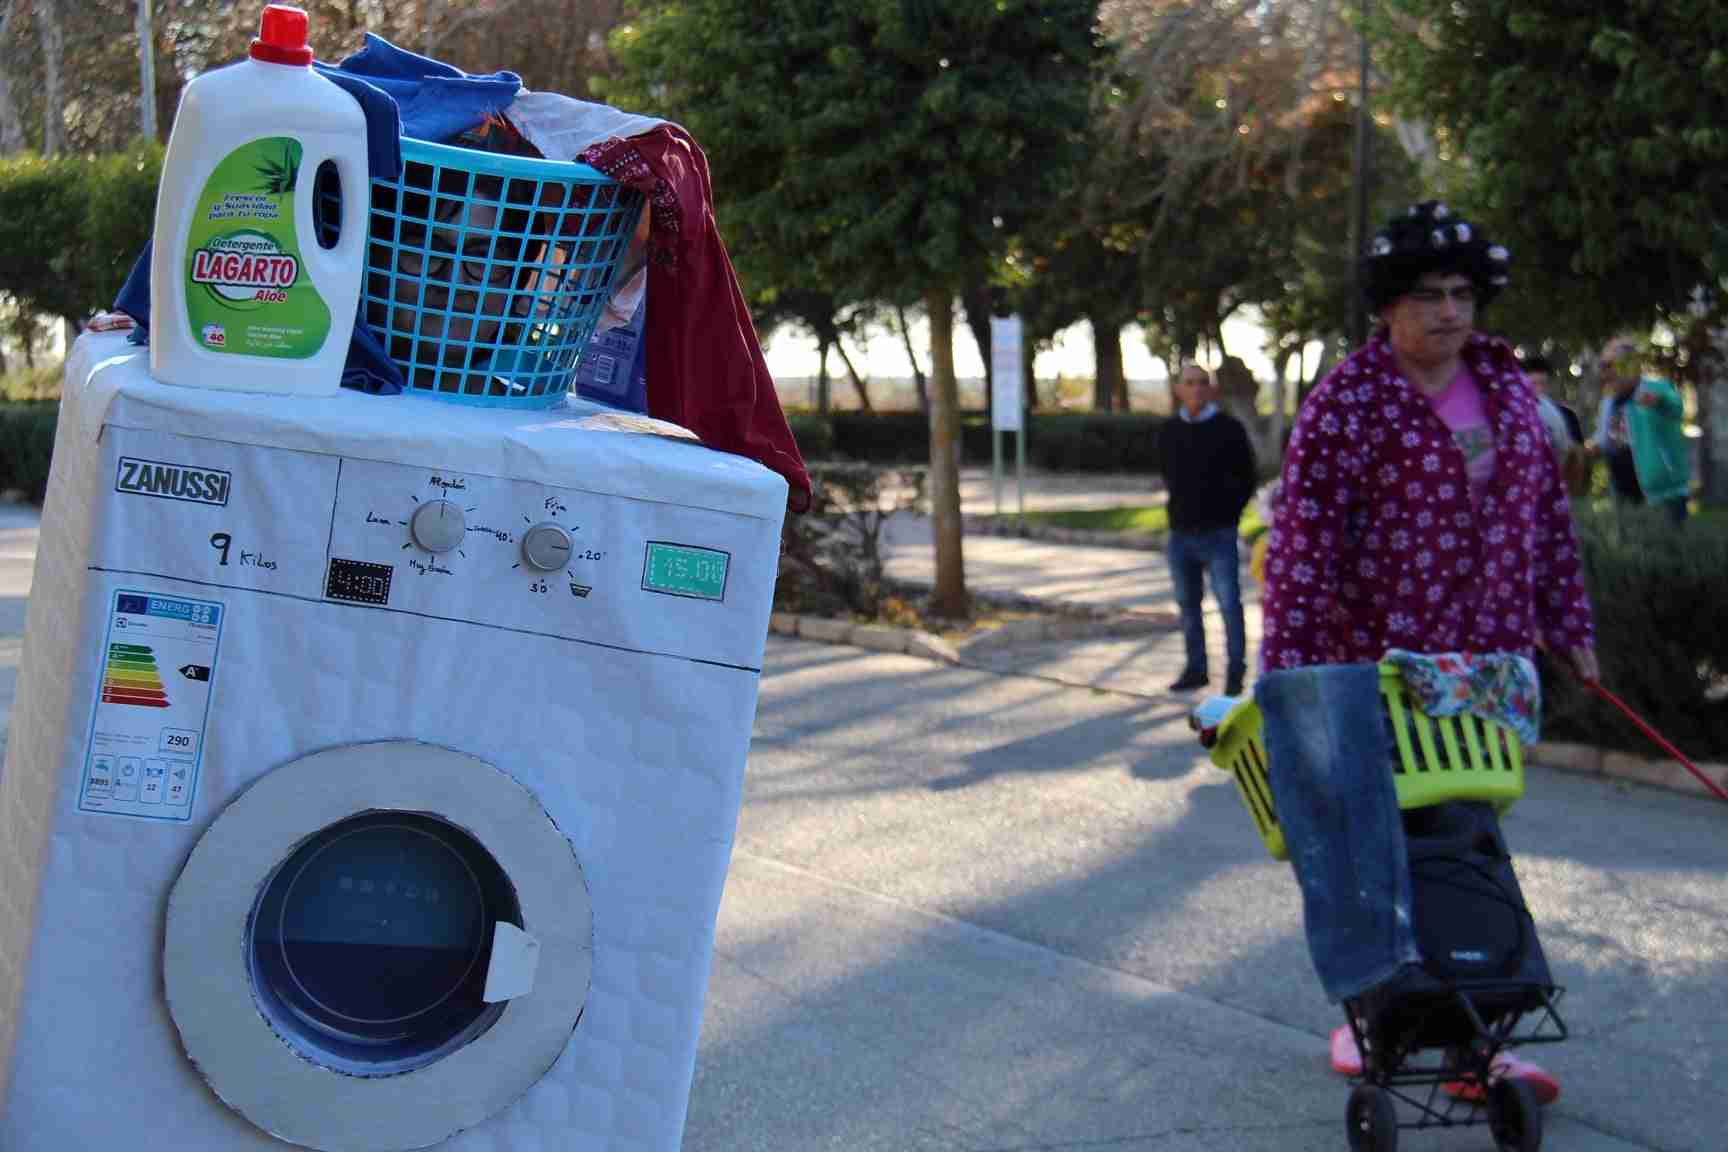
[(1233, 684), (1190, 680)]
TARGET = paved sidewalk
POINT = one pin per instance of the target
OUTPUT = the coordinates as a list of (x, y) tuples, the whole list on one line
[(1051, 491), (1117, 578), (17, 559)]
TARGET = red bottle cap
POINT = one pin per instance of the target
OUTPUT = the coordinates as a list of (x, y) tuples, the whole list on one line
[(282, 37)]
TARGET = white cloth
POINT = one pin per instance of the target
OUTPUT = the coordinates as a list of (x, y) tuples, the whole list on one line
[(562, 127)]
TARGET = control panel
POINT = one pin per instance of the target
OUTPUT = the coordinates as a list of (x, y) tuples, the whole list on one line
[(475, 547), (641, 574)]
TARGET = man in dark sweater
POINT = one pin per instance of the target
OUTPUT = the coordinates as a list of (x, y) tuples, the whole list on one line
[(1208, 467)]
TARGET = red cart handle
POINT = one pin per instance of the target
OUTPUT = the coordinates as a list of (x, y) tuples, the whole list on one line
[(1715, 788)]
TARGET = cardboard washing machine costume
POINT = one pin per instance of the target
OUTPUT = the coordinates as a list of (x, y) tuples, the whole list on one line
[(373, 775)]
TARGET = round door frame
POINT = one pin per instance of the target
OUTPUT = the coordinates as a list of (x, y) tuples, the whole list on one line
[(207, 970)]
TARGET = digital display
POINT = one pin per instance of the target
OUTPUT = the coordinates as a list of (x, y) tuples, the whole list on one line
[(358, 581), (683, 570)]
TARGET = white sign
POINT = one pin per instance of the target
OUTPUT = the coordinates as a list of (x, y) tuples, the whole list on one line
[(1006, 399)]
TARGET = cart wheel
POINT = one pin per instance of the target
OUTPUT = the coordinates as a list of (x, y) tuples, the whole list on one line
[(1514, 1116), (1371, 1121)]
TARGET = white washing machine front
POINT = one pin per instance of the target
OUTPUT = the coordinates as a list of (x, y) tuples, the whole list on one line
[(284, 654), (416, 943)]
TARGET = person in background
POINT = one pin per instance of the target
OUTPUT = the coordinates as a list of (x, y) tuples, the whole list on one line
[(1419, 509), (1641, 431), (1565, 430), (1208, 467)]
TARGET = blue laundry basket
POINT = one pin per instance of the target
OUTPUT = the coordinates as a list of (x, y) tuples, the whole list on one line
[(486, 273)]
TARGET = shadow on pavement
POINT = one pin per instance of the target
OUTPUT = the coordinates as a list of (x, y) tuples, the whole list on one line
[(1151, 873)]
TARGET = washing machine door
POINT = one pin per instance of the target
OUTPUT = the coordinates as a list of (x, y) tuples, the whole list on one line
[(378, 946)]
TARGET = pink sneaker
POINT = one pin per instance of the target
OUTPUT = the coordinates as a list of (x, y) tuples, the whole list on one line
[(1346, 1057), (1506, 1066)]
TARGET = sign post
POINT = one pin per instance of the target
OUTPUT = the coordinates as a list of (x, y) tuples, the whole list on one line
[(1007, 404)]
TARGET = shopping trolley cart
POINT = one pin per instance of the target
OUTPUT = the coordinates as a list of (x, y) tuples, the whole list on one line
[(1431, 1037)]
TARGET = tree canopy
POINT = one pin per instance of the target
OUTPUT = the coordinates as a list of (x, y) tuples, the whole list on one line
[(886, 150), (1589, 137)]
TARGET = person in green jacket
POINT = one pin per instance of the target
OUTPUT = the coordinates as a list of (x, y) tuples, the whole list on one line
[(1641, 432)]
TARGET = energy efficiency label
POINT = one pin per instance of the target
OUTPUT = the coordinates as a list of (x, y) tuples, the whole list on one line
[(152, 704)]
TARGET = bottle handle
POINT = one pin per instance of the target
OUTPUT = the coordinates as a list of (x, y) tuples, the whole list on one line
[(356, 191)]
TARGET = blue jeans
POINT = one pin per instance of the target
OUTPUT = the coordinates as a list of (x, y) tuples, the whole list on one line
[(1191, 555), (1329, 759)]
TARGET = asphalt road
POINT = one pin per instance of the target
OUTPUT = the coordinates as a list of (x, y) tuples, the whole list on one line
[(984, 912), (987, 912)]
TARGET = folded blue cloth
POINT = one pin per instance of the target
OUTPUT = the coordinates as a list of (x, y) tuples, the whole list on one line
[(435, 100), (1329, 762), (402, 94)]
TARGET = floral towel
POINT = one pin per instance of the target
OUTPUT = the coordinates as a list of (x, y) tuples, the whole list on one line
[(1500, 686)]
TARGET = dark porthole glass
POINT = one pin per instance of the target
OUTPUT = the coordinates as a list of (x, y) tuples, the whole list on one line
[(369, 945)]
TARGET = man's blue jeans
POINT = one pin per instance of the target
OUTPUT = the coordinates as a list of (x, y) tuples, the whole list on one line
[(1329, 759), (1192, 555)]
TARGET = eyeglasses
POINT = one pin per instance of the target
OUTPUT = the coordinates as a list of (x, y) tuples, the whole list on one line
[(1462, 295)]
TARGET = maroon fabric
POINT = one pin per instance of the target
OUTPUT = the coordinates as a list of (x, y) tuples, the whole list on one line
[(705, 366), (1376, 544)]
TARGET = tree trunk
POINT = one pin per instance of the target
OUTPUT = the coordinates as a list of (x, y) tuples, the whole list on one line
[(53, 41), (1322, 366), (823, 397), (912, 358), (428, 30), (949, 597), (146, 69), (1281, 399), (11, 127), (858, 383), (1109, 390), (354, 19), (1028, 379)]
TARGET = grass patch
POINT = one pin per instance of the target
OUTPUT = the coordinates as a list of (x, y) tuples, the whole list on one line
[(1711, 515), (1147, 519)]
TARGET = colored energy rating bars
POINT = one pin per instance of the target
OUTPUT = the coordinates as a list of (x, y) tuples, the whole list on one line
[(131, 677)]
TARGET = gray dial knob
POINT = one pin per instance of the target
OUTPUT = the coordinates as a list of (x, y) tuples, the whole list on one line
[(546, 547), (438, 526)]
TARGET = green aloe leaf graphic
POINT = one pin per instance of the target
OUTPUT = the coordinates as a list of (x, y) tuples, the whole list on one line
[(280, 176)]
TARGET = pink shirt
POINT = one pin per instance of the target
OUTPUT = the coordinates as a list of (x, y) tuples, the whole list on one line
[(1378, 543), (1459, 407)]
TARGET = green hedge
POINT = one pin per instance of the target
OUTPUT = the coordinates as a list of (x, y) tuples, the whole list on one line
[(71, 226), (26, 445), (1057, 442), (1662, 634)]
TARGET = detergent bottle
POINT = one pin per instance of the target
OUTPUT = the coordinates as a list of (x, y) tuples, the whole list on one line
[(245, 294)]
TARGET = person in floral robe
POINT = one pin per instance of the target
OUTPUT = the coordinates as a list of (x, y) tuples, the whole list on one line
[(1420, 507)]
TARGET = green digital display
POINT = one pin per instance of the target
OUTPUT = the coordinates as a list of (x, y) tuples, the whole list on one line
[(680, 570)]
